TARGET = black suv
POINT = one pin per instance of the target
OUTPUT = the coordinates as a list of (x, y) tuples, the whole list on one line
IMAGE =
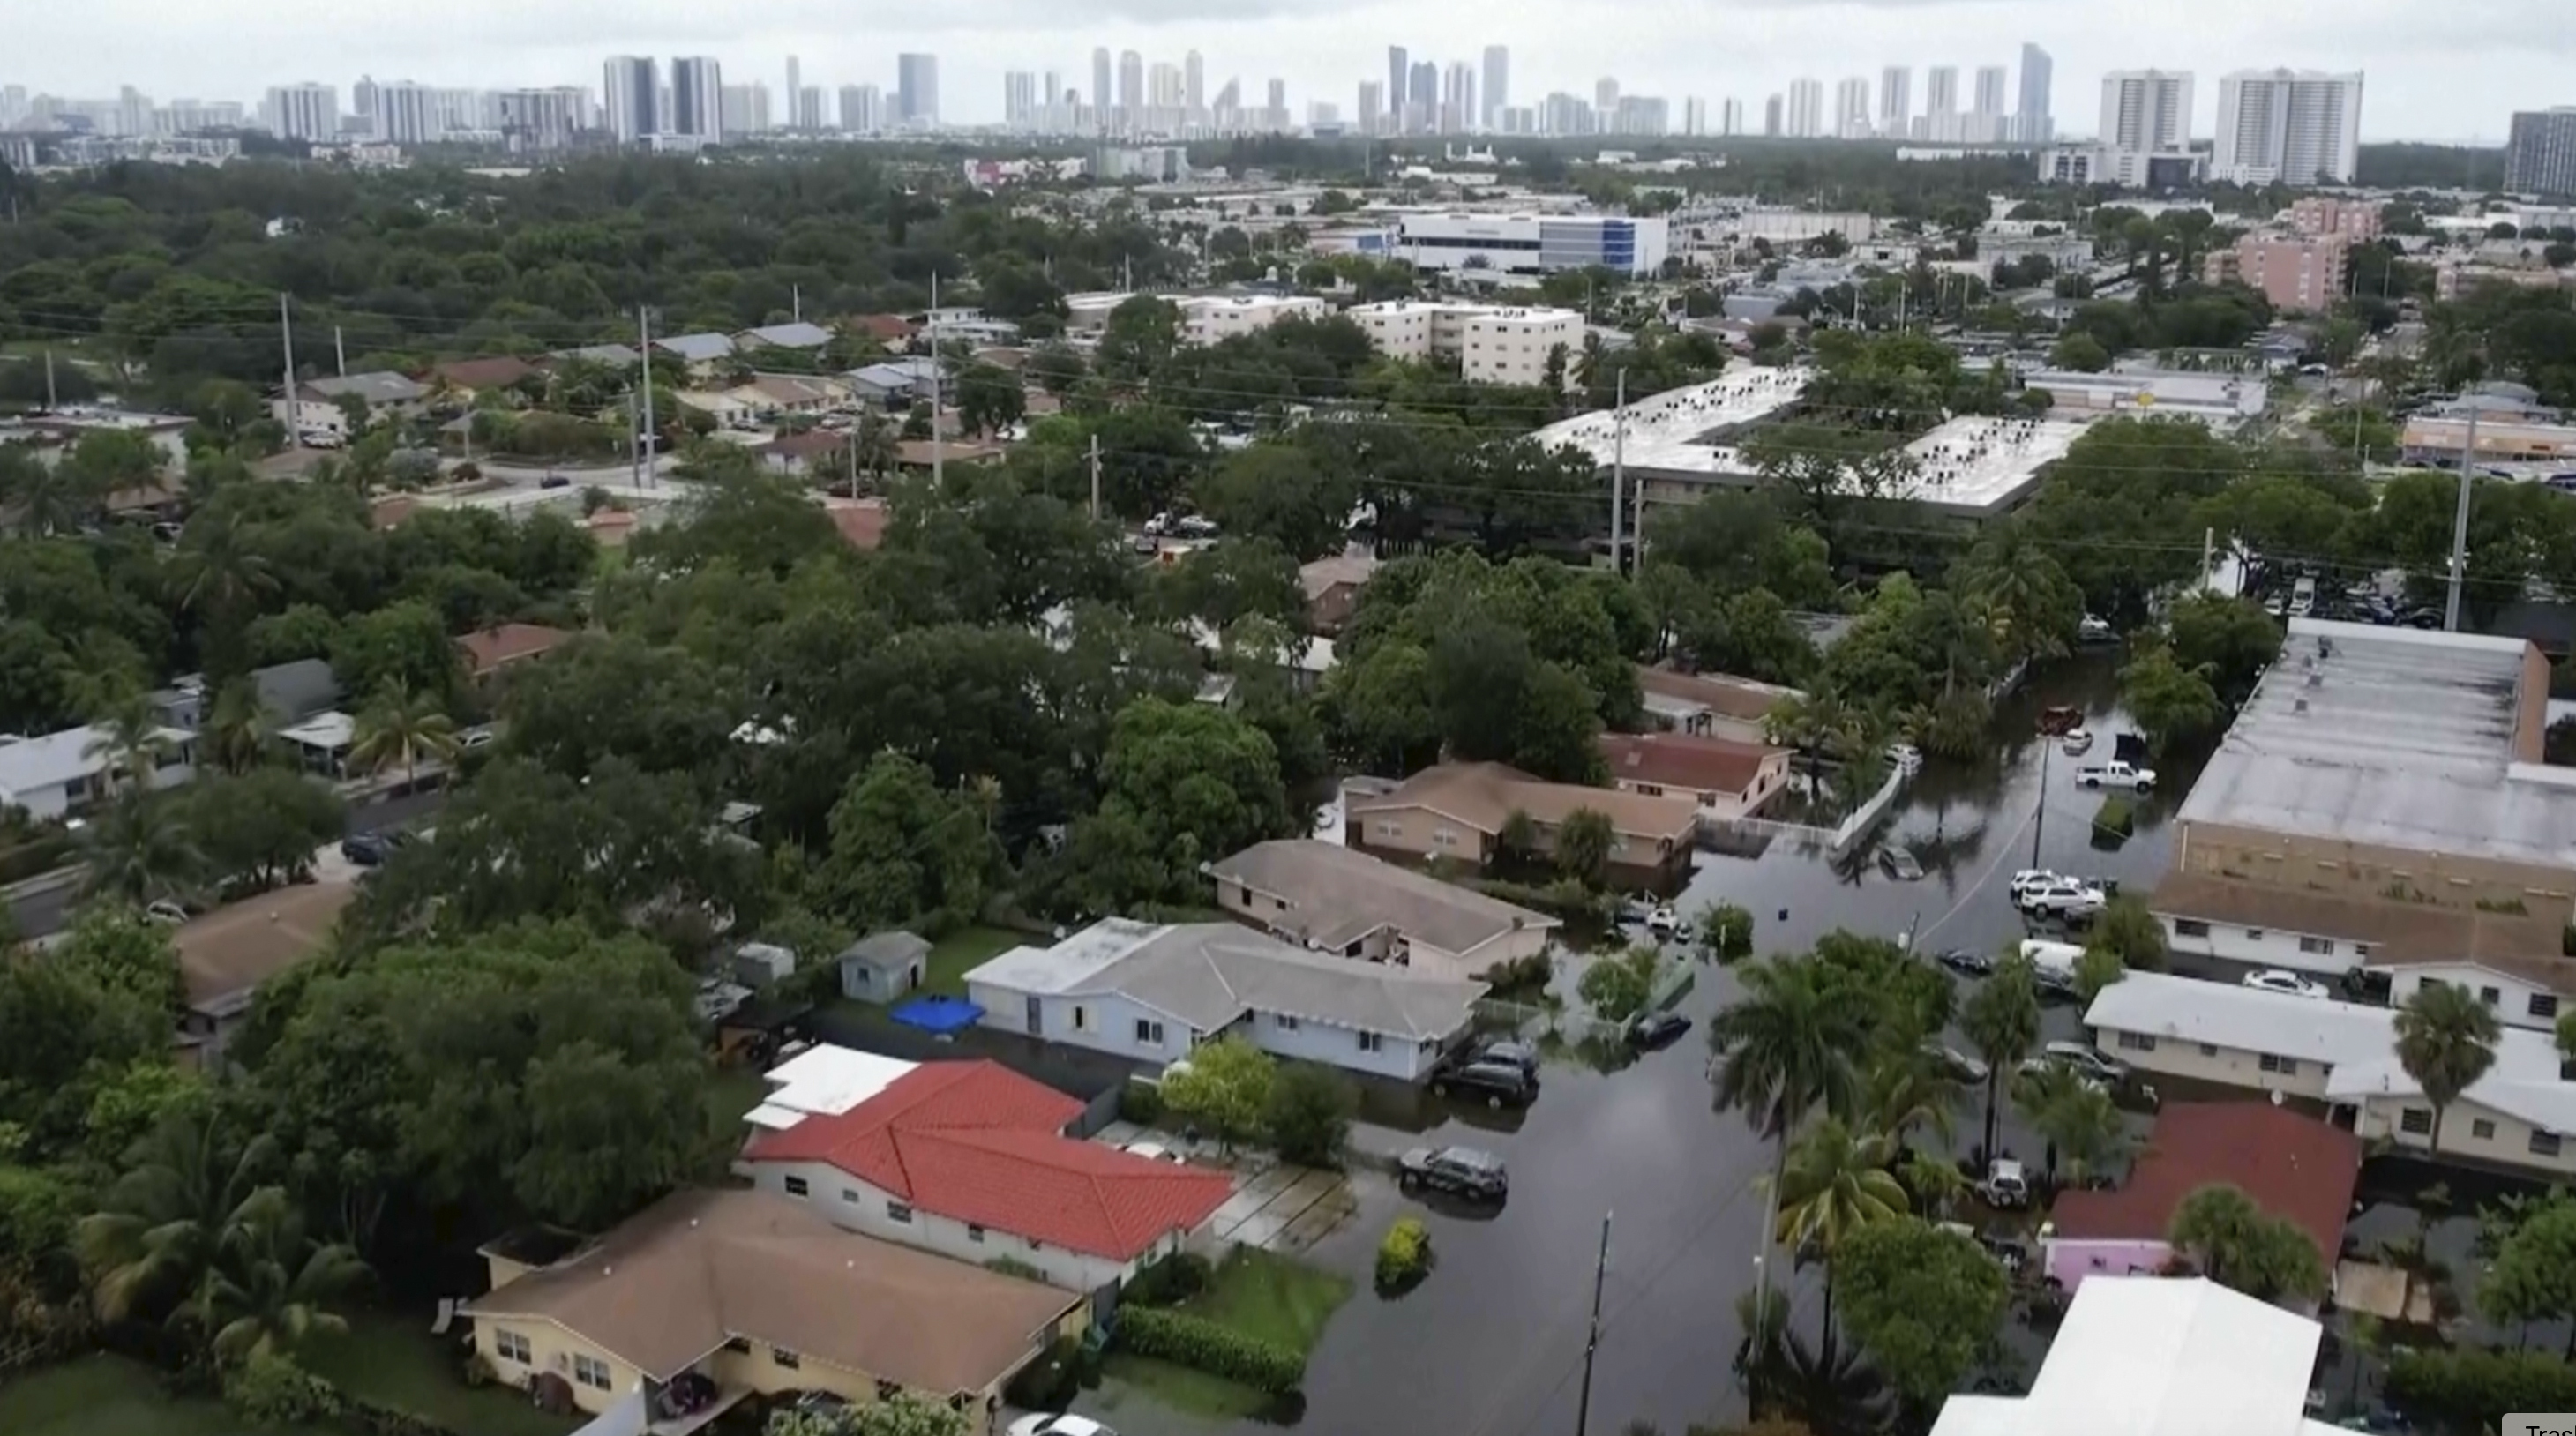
[(1464, 1171), (1499, 1083)]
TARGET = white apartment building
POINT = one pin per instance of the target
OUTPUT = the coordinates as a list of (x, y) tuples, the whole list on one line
[(1806, 108), (304, 112), (1493, 344), (1851, 109), (1531, 243), (2290, 126), (1208, 319)]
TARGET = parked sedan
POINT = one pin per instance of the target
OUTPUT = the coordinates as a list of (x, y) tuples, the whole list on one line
[(1650, 1030), (1508, 1052), (1958, 1064), (1059, 1426), (1499, 1083), (2086, 1060), (1462, 1171), (1968, 962), (2289, 984)]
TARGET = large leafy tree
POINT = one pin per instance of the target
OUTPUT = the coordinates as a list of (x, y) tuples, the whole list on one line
[(2240, 1246), (1927, 1305), (902, 847), (2446, 1041)]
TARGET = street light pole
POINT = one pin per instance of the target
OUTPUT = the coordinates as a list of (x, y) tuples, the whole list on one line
[(1592, 1342)]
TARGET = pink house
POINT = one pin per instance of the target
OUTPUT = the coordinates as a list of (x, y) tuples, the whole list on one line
[(2292, 1165)]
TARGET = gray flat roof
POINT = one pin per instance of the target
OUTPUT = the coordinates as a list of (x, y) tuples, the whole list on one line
[(2392, 737)]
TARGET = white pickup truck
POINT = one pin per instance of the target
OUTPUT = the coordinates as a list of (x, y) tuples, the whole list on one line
[(2115, 774)]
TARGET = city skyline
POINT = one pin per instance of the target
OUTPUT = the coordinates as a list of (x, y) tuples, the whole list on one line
[(58, 54)]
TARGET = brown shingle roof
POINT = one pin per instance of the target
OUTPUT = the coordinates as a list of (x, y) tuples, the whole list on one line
[(491, 649), (228, 953), (885, 328), (810, 444), (700, 1268), (862, 524), (1683, 760), (1738, 698), (2400, 934), (1336, 895), (499, 372), (1485, 795), (2291, 1164)]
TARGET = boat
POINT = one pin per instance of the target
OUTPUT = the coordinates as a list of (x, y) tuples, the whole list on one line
[(2078, 742)]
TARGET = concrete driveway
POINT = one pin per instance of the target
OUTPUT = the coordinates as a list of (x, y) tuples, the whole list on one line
[(1275, 1205)]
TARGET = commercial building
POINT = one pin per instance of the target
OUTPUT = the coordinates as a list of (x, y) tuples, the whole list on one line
[(2292, 272), (1154, 993), (917, 90), (697, 98), (2540, 152), (1530, 242), (2373, 759), (2315, 216), (1209, 318), (1330, 899), (2032, 123), (630, 94), (2341, 1057), (2444, 437), (2295, 127), (2219, 399), (2159, 1356), (1493, 344)]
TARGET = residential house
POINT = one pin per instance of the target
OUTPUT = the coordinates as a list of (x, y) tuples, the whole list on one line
[(2157, 1356), (924, 455), (1460, 811), (891, 330), (816, 453), (756, 1296), (2341, 1056), (862, 522), (2514, 960), (725, 407), (314, 409), (490, 650), (287, 693), (2293, 1166), (1727, 779), (321, 743), (470, 379), (2391, 761), (884, 966), (797, 335), (896, 383), (770, 397), (1710, 705), (621, 356), (66, 774), (1332, 588), (226, 955), (1153, 993), (970, 1160), (1330, 899), (706, 355)]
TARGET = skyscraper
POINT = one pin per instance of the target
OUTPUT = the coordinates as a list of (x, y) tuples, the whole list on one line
[(629, 89), (1895, 99), (362, 104), (697, 98), (1771, 116), (746, 109), (2296, 127), (1730, 117), (1806, 108), (405, 114), (1422, 97), (1458, 99), (1851, 109), (916, 86), (1397, 74), (2144, 112), (1941, 90), (1694, 116), (2540, 151), (1498, 85), (862, 109), (2032, 124), (1372, 107), (1992, 81), (1019, 99), (1100, 86), (1131, 90), (1605, 98), (1277, 117), (795, 87), (1194, 85)]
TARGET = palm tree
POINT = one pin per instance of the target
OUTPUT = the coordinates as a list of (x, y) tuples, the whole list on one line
[(399, 729), (128, 738), (1937, 1184), (1836, 1183), (2077, 1118), (214, 570), (48, 499), (270, 1281), (2002, 1020), (238, 730), (155, 1239), (139, 851), (2446, 1041), (1907, 1089)]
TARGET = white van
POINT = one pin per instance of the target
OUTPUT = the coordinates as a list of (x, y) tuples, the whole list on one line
[(2303, 597), (2052, 957)]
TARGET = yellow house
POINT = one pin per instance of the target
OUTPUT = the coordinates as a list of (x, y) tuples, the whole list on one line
[(709, 1298)]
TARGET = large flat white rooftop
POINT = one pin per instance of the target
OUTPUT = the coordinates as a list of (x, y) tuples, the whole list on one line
[(1669, 431), (1983, 465)]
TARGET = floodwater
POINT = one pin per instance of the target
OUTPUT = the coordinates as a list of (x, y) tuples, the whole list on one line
[(1492, 1344)]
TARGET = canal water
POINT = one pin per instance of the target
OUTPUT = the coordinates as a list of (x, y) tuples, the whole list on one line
[(1492, 1344)]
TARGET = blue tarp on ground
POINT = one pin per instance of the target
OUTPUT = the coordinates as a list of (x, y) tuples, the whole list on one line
[(942, 1015)]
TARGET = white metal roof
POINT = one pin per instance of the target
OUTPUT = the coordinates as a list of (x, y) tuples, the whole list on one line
[(1665, 430), (2159, 1356), (826, 1080), (33, 764), (1986, 463)]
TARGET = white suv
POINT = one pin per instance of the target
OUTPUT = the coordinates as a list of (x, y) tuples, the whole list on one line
[(2287, 983), (2061, 897)]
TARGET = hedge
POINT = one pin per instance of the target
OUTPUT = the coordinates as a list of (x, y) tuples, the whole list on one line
[(1140, 1103), (2478, 1388), (1404, 1256), (1204, 1345), (2117, 819), (1168, 1280)]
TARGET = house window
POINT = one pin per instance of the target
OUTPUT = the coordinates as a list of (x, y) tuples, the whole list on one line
[(2209, 1049), (795, 1186), (2190, 927), (2418, 1120), (2544, 1004), (2482, 1129), (2138, 1041), (2321, 946), (1286, 1023), (1081, 1018), (590, 1371), (899, 1212), (974, 1233), (2544, 1144), (783, 1357), (1035, 1245), (1370, 1042), (512, 1346), (2254, 934), (2490, 996), (850, 1195), (1149, 1032), (2286, 1066), (1445, 837)]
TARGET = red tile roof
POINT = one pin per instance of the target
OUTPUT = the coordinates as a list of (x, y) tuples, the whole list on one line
[(2292, 1165), (978, 1143), (488, 650), (863, 525), (1682, 760)]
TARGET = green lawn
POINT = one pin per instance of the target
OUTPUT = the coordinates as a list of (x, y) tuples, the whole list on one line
[(106, 1396), (1274, 1297), (961, 952), (1192, 1393), (731, 1096), (394, 1361)]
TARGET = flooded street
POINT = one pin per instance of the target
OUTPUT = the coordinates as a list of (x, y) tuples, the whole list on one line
[(1492, 1344)]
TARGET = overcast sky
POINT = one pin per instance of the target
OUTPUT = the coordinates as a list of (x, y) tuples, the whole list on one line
[(2436, 69)]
